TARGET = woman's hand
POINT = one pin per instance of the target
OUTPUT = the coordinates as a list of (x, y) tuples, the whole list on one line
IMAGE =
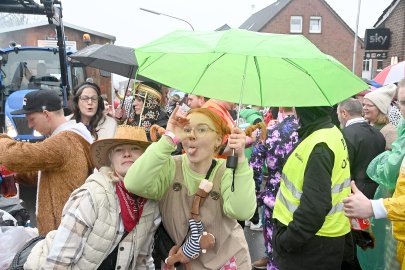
[(237, 141), (176, 123)]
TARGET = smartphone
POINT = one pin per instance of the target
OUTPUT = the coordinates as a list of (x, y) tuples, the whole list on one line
[(183, 110)]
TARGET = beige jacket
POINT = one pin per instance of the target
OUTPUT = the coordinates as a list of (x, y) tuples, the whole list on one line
[(134, 250), (105, 129)]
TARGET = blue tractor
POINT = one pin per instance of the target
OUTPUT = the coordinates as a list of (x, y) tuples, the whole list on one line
[(25, 69)]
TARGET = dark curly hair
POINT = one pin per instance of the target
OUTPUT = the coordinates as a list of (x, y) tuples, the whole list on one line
[(99, 117)]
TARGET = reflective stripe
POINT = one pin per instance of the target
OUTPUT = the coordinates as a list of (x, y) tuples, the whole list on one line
[(295, 192), (339, 187), (291, 207), (337, 208)]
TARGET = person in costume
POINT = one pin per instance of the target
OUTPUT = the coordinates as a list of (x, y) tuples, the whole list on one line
[(103, 225), (174, 180)]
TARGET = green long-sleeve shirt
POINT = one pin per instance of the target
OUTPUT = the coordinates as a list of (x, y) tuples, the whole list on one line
[(153, 173)]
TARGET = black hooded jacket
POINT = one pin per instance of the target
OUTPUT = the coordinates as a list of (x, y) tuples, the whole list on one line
[(316, 199)]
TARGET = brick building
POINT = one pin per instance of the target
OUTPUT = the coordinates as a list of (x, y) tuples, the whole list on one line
[(44, 34), (314, 19), (393, 19)]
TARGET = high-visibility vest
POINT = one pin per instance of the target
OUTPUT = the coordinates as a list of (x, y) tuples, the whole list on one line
[(292, 179)]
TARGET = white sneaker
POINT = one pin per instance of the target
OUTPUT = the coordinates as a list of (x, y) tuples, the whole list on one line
[(256, 227), (248, 223)]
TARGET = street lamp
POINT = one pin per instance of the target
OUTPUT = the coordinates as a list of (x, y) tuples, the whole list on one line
[(159, 13)]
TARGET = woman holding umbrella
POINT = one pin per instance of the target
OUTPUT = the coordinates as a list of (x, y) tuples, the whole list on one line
[(173, 180)]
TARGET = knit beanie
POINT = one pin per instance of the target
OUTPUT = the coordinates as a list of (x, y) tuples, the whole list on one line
[(382, 97)]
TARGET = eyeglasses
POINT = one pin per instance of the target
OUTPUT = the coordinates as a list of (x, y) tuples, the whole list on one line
[(86, 99), (199, 131)]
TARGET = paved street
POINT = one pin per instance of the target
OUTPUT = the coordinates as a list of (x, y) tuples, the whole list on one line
[(28, 194), (256, 243)]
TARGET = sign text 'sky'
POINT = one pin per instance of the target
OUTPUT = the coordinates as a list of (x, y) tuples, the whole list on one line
[(377, 39)]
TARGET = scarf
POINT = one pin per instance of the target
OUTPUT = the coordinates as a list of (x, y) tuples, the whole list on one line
[(131, 206)]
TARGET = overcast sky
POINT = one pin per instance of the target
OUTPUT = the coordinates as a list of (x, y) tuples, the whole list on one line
[(133, 27)]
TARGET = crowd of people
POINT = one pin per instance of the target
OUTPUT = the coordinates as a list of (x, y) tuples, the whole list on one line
[(111, 180)]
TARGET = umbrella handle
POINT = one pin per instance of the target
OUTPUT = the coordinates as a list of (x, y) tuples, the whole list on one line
[(232, 161)]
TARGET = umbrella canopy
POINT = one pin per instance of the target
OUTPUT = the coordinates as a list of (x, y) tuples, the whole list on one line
[(372, 83), (391, 74), (248, 67), (112, 58)]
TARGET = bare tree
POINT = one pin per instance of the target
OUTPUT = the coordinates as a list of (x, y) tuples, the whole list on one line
[(13, 19)]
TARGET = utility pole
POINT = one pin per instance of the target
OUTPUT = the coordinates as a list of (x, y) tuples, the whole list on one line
[(355, 37)]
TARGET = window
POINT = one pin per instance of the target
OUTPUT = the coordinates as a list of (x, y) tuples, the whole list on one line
[(380, 65), (315, 23), (296, 24), (366, 64)]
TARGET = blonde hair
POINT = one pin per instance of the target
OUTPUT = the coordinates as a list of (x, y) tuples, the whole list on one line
[(109, 172), (382, 119)]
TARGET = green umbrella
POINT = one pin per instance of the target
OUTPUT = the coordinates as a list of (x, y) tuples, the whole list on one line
[(248, 67)]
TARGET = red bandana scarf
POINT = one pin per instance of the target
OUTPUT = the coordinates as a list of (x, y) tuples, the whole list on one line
[(131, 206)]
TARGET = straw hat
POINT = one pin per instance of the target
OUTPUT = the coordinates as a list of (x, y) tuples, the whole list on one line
[(125, 134), (148, 88)]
